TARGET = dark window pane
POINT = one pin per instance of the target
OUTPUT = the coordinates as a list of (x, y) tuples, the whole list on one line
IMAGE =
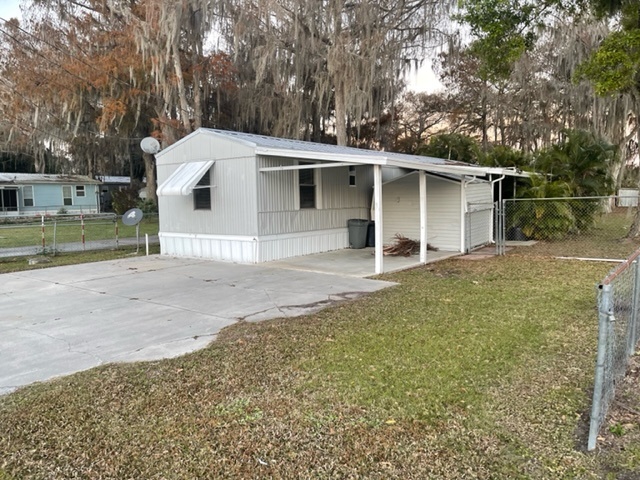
[(202, 193), (9, 200), (205, 179), (306, 177), (307, 196), (202, 198)]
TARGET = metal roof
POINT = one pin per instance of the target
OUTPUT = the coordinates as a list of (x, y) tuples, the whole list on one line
[(29, 178), (283, 147), (279, 144)]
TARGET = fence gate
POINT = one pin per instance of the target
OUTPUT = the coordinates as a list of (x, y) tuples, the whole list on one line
[(478, 225)]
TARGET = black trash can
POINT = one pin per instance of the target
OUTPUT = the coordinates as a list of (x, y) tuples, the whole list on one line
[(516, 234), (371, 234), (357, 232)]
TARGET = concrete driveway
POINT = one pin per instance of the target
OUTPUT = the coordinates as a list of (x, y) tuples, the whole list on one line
[(61, 320)]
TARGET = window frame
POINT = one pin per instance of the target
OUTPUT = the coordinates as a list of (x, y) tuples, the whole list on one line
[(70, 197), (307, 186), (317, 180), (81, 188), (202, 200), (352, 176), (31, 197)]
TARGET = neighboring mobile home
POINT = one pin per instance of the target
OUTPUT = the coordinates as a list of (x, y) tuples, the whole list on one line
[(250, 198), (36, 194)]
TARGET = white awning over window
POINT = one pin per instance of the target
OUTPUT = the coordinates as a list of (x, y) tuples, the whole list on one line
[(186, 176)]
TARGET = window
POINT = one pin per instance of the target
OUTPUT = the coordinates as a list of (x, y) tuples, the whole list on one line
[(202, 193), (307, 185), (8, 199), (67, 198), (27, 196), (79, 190), (352, 175)]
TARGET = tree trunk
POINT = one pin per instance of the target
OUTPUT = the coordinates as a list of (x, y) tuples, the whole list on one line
[(341, 113), (485, 136), (197, 99), (634, 231), (150, 173), (184, 105)]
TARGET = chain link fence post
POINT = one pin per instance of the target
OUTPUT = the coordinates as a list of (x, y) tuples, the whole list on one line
[(499, 209), (635, 329), (55, 237), (597, 407), (44, 249), (115, 222), (633, 324)]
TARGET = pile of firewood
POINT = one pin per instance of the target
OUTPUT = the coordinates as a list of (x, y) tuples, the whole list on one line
[(404, 246)]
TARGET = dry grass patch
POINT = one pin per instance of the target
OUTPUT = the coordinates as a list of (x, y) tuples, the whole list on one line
[(19, 264), (464, 370)]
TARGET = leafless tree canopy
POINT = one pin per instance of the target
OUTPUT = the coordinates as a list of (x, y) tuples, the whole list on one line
[(82, 81)]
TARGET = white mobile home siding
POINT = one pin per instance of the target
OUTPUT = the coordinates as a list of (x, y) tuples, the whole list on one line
[(286, 231), (228, 230), (233, 202), (401, 211)]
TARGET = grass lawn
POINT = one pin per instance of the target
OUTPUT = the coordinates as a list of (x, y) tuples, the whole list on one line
[(466, 369), (16, 264)]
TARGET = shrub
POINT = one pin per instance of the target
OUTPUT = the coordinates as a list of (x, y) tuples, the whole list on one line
[(125, 199), (147, 206)]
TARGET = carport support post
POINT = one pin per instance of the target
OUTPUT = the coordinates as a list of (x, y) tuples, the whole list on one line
[(377, 208), (422, 176)]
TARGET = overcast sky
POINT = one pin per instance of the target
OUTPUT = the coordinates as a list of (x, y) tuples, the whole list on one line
[(9, 8)]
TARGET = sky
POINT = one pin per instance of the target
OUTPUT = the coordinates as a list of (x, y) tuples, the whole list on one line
[(9, 8), (421, 80)]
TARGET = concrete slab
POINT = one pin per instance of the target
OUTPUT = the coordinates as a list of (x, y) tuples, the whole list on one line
[(523, 243), (61, 320), (355, 262)]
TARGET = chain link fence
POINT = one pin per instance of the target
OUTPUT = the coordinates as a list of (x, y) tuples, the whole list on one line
[(589, 227), (618, 331), (52, 234)]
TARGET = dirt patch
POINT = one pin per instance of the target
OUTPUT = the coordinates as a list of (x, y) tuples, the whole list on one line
[(476, 256)]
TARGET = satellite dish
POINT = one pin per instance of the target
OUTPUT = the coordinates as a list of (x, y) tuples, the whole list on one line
[(132, 217), (150, 145)]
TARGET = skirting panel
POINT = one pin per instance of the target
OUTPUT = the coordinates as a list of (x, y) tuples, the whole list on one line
[(277, 247), (252, 249), (216, 247)]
